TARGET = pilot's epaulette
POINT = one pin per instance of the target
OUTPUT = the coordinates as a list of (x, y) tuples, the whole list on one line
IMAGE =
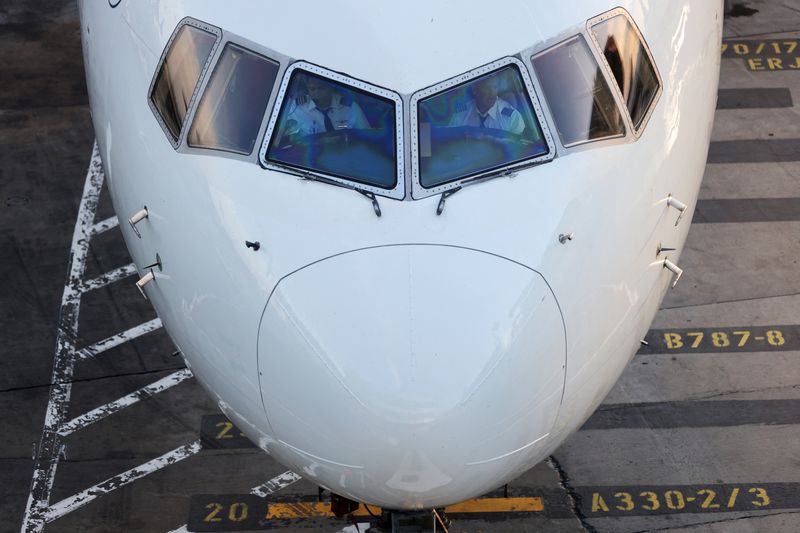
[(507, 112)]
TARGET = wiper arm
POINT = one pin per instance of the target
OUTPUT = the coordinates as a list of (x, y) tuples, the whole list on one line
[(443, 199), (375, 205), (371, 195)]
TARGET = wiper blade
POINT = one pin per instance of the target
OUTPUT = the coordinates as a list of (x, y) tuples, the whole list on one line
[(313, 177), (443, 199), (371, 195)]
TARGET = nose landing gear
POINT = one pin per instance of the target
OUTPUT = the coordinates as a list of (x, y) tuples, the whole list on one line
[(427, 521), (431, 521)]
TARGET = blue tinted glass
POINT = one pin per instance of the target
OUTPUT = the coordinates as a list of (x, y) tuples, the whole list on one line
[(234, 102), (484, 124), (327, 127)]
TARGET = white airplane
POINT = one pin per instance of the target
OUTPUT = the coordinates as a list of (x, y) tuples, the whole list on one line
[(409, 249)]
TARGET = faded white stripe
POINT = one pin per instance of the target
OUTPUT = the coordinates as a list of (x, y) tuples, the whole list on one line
[(275, 484), (109, 277), (103, 411), (50, 445), (67, 505), (119, 338), (104, 226)]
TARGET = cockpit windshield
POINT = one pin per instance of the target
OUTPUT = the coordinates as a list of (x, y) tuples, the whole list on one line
[(332, 128), (628, 60), (480, 125)]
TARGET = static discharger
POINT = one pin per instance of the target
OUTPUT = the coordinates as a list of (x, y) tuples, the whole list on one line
[(677, 204), (136, 218), (672, 267)]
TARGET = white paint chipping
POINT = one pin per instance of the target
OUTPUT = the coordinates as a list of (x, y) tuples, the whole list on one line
[(103, 226), (38, 512), (50, 446), (275, 484), (109, 277), (80, 499), (108, 409), (119, 338)]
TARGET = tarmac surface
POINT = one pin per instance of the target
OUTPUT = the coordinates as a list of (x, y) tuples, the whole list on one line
[(701, 433)]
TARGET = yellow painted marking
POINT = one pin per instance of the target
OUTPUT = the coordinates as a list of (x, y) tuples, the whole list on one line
[(732, 499), (775, 63), (483, 505), (305, 510), (598, 503), (498, 505)]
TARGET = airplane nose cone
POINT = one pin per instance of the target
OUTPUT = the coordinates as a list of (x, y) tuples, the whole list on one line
[(417, 374)]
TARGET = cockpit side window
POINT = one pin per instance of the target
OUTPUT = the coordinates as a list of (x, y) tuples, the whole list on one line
[(630, 63), (336, 129), (233, 104), (180, 71), (577, 93), (485, 123)]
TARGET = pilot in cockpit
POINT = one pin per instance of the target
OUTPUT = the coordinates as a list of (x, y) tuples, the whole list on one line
[(486, 109), (323, 109)]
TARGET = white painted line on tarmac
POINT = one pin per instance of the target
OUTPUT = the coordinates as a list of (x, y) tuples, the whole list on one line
[(109, 277), (108, 409), (120, 338), (67, 505), (265, 489), (103, 226), (50, 445), (275, 484)]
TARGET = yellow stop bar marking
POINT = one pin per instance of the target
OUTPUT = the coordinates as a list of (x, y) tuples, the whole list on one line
[(483, 505)]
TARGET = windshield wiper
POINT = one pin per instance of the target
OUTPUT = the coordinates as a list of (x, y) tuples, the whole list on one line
[(313, 177), (371, 195), (509, 172), (443, 199)]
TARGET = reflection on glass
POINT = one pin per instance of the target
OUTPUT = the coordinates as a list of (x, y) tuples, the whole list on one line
[(328, 127), (577, 93), (178, 76), (627, 57), (234, 101), (481, 125)]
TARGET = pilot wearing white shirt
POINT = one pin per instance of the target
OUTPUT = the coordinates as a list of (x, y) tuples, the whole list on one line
[(323, 111), (487, 110)]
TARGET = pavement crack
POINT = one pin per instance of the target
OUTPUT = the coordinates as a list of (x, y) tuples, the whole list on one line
[(744, 391), (574, 497), (96, 378), (708, 523), (732, 301), (766, 34)]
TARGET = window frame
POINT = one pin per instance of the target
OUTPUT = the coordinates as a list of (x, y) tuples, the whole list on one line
[(418, 191), (211, 59), (637, 133), (278, 73), (614, 94), (398, 191)]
